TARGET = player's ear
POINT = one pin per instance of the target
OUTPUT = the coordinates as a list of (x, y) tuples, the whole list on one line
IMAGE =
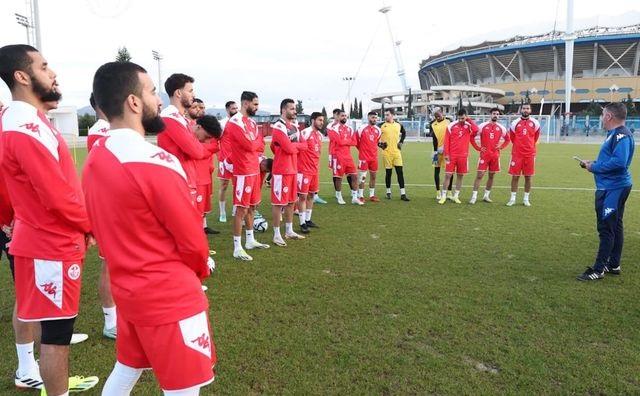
[(134, 104)]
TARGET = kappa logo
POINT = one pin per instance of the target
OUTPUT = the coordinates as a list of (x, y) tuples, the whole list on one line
[(176, 115), (74, 272), (103, 131), (608, 211), (202, 341), (35, 128), (619, 136), (50, 288), (163, 156)]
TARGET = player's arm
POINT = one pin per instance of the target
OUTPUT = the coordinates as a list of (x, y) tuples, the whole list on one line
[(177, 214), (474, 143), (212, 147), (403, 134), (48, 181), (239, 141), (536, 135), (434, 137), (281, 139), (187, 142), (447, 143), (618, 160), (505, 140)]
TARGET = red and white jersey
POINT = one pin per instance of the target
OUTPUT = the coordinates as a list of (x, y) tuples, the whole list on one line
[(148, 230), (309, 159), (98, 130), (247, 143), (368, 137), (524, 135), (342, 137), (6, 210), (457, 138), (491, 134), (178, 139), (50, 215), (284, 151), (204, 167)]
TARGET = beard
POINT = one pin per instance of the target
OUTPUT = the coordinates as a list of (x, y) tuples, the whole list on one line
[(45, 94), (343, 121), (232, 113), (494, 119), (186, 103), (151, 121), (251, 112)]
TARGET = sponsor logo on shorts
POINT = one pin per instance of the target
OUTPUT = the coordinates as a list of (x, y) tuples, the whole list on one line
[(74, 272)]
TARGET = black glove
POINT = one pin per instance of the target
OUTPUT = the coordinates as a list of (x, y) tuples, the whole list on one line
[(399, 145), (382, 145)]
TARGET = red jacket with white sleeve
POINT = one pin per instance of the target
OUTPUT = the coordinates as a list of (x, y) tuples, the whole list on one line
[(50, 214), (147, 229), (247, 143), (309, 159), (181, 142), (98, 130), (285, 152), (342, 138)]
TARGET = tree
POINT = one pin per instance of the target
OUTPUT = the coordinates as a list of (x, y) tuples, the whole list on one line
[(84, 123), (324, 112), (123, 55), (593, 109), (350, 110), (299, 108), (342, 106), (631, 107), (360, 113), (355, 108), (527, 99)]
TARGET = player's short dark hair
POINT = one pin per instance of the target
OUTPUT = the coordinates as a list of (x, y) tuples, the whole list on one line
[(336, 111), (618, 110), (315, 115), (284, 103), (113, 83), (196, 100), (13, 58), (92, 101), (372, 113), (175, 82), (390, 110), (248, 96), (211, 125), (495, 109), (229, 104), (462, 112), (526, 104)]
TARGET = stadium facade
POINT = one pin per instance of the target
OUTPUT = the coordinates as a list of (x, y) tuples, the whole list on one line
[(605, 68)]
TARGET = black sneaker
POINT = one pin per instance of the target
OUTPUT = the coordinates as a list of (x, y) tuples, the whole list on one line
[(210, 231), (311, 224), (612, 271), (304, 228), (590, 275), (388, 195), (404, 198)]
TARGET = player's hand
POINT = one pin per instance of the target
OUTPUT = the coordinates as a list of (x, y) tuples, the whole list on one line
[(90, 240), (446, 159), (483, 149), (293, 138), (399, 145), (8, 230)]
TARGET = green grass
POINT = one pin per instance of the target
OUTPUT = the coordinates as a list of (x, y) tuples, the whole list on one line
[(414, 298)]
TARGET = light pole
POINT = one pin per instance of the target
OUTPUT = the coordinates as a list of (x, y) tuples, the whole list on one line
[(158, 57), (349, 81), (24, 21), (396, 49)]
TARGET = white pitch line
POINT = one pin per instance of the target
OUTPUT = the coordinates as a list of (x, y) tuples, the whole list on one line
[(509, 187)]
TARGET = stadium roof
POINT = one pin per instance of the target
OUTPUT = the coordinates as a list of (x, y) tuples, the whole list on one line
[(524, 40)]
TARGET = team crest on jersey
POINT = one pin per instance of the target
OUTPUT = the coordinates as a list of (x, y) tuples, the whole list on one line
[(74, 272), (497, 128), (199, 198), (247, 189), (482, 161), (531, 124), (306, 180), (513, 163), (285, 189)]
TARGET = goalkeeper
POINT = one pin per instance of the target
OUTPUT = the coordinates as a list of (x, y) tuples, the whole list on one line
[(438, 129)]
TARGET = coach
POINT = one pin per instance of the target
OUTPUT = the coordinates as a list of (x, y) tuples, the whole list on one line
[(613, 185)]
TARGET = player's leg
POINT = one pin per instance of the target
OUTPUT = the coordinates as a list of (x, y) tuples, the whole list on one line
[(448, 177), (613, 264), (527, 190), (606, 233), (352, 177), (242, 208), (309, 206), (121, 380), (436, 180), (456, 194), (302, 209), (108, 305), (54, 355), (488, 187), (515, 180), (372, 186), (398, 165), (276, 215), (289, 233), (362, 178), (222, 205), (476, 185)]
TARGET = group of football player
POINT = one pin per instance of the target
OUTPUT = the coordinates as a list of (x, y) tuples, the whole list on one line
[(451, 140)]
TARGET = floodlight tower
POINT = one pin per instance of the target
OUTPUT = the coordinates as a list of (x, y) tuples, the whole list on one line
[(569, 38), (158, 57), (396, 49)]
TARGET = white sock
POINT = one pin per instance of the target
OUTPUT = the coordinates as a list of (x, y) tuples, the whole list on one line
[(121, 380), (288, 227), (526, 196), (276, 232), (223, 208), (110, 317), (513, 196), (487, 193), (204, 222), (372, 192), (26, 360), (308, 216), (403, 192), (456, 194), (249, 235), (233, 211), (302, 216), (338, 194), (474, 195), (237, 242), (354, 194), (388, 191), (361, 193)]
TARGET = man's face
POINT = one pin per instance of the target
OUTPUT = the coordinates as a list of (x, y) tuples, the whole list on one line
[(438, 116), (151, 120), (526, 111), (462, 118), (252, 107), (495, 115), (232, 110), (318, 123), (193, 111), (373, 119), (388, 117), (43, 80), (607, 120), (187, 95), (289, 112), (200, 133), (342, 118)]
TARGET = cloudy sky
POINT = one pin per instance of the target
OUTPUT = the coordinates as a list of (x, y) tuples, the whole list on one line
[(280, 49)]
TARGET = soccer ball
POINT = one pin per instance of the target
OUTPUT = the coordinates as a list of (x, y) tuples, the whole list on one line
[(260, 225)]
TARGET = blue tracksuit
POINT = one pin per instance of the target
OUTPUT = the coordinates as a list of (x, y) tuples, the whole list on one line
[(613, 185)]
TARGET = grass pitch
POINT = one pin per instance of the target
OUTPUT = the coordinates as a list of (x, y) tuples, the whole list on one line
[(413, 298)]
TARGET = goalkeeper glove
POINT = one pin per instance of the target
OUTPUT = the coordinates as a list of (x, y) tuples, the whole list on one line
[(211, 264)]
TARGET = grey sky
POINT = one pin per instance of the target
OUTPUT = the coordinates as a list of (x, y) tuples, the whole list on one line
[(280, 49)]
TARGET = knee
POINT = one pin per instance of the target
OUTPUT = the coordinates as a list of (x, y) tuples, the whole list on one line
[(57, 332)]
